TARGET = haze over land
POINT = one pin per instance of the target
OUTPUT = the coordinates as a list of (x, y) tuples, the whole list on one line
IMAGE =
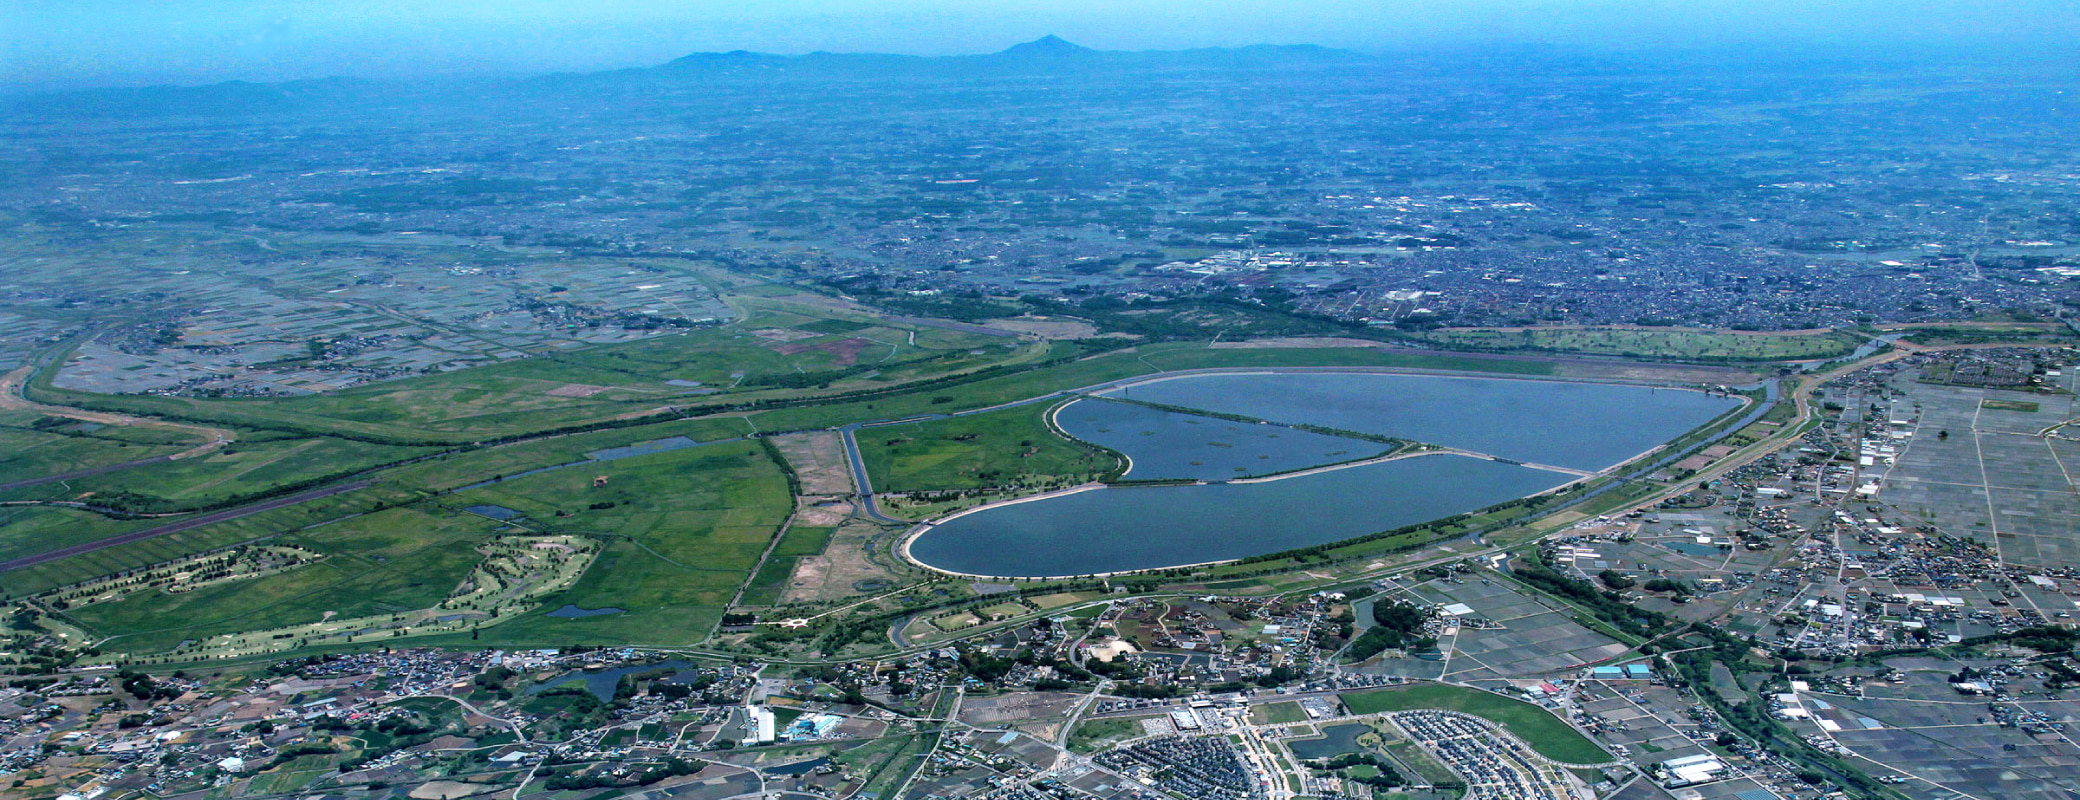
[(1215, 401), (62, 44)]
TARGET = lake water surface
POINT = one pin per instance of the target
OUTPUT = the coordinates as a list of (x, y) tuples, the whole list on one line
[(1128, 528), (1166, 444), (1587, 426), (1574, 425)]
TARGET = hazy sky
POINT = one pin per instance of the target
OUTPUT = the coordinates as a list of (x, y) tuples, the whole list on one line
[(78, 43)]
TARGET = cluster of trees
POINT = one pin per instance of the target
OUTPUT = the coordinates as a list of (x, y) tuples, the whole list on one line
[(1680, 589), (1395, 625), (1606, 606), (1386, 779), (2043, 639), (579, 778), (142, 687), (493, 682)]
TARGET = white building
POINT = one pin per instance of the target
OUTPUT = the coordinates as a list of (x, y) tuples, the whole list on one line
[(1691, 770)]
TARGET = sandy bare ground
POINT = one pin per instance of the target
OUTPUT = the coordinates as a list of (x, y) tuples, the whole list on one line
[(819, 516), (1295, 341), (1024, 706), (1046, 327), (448, 790), (11, 399), (818, 458), (843, 565)]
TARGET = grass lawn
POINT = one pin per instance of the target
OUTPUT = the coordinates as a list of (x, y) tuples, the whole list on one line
[(803, 540), (244, 469), (1093, 735), (60, 446), (1277, 713), (1059, 599), (956, 621), (685, 528), (463, 469), (2009, 405), (264, 525), (388, 561), (997, 448), (771, 581), (1412, 756), (513, 397), (28, 530), (1545, 733), (294, 775)]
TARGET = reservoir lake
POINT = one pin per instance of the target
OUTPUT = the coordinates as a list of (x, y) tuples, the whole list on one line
[(1148, 527), (1112, 529), (1166, 444), (1586, 426)]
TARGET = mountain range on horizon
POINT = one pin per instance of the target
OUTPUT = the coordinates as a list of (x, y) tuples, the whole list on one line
[(1048, 54), (1046, 51)]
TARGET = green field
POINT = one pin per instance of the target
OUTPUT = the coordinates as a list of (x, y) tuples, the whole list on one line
[(1546, 733), (243, 470), (771, 581), (1412, 756), (1090, 736), (294, 775), (684, 529), (1682, 344), (2017, 333), (35, 446), (28, 530), (1277, 713), (389, 561), (2024, 406), (513, 397), (1006, 447), (803, 540), (265, 525), (681, 530)]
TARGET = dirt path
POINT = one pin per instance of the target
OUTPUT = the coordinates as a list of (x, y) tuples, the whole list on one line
[(11, 399)]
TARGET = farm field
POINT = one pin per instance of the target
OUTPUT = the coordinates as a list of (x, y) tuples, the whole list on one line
[(388, 561), (681, 524), (30, 530), (683, 529), (33, 445), (764, 357), (996, 448)]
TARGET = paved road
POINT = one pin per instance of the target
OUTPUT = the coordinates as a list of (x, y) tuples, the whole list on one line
[(186, 524)]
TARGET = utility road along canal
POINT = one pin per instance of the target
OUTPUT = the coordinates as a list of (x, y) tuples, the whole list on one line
[(1581, 428)]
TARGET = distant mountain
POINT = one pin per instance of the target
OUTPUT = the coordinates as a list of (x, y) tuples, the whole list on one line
[(737, 59), (1045, 54), (1049, 46), (1048, 55)]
